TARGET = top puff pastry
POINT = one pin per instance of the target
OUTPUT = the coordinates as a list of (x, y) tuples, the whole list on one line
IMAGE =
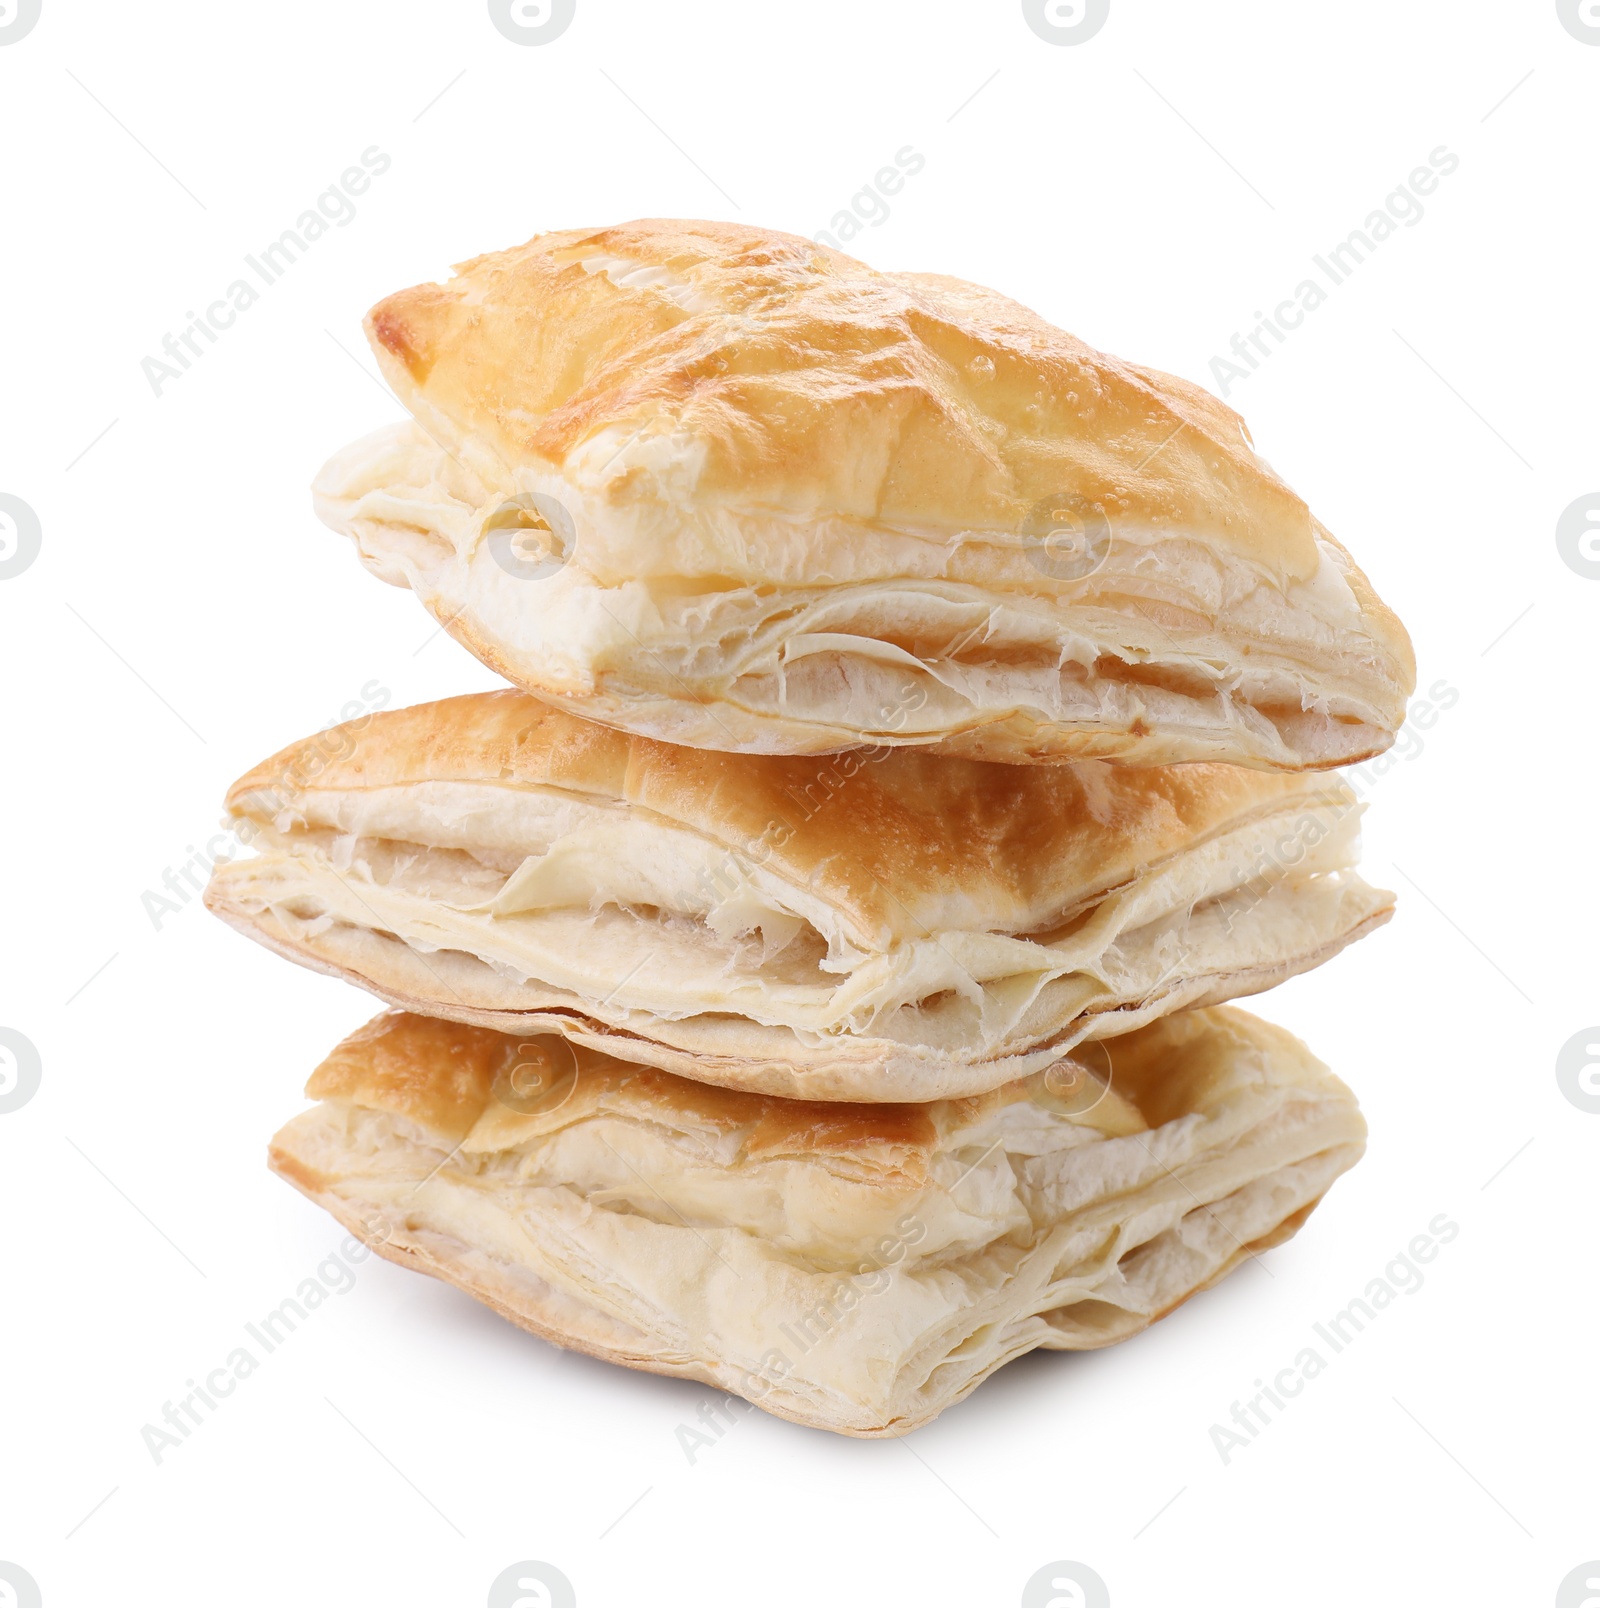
[(732, 489)]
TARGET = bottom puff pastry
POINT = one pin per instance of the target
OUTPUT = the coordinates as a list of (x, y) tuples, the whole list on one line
[(857, 1268)]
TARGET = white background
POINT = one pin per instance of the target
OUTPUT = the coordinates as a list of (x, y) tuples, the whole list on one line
[(1148, 189)]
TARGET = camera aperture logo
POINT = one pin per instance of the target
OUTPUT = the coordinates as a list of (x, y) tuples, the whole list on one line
[(18, 18), (21, 536)]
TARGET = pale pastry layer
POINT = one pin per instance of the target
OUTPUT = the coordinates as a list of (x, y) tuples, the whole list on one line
[(729, 1050), (849, 1267), (866, 634), (674, 968), (646, 938), (899, 927)]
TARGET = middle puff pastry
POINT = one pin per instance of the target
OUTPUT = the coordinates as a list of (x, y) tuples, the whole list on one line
[(882, 925)]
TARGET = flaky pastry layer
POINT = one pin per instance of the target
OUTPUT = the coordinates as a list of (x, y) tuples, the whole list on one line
[(732, 489), (855, 1268), (908, 928)]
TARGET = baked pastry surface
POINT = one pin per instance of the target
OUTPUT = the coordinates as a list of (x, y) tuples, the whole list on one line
[(887, 925), (854, 1268), (733, 489)]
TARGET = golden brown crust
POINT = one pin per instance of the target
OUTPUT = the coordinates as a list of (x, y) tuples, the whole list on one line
[(436, 1073), (447, 1076), (444, 1075), (975, 406), (896, 839)]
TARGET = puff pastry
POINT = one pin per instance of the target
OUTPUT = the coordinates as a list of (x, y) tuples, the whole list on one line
[(733, 489), (885, 926), (854, 1268)]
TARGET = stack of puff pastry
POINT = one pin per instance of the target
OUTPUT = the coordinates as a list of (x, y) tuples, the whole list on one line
[(810, 976)]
